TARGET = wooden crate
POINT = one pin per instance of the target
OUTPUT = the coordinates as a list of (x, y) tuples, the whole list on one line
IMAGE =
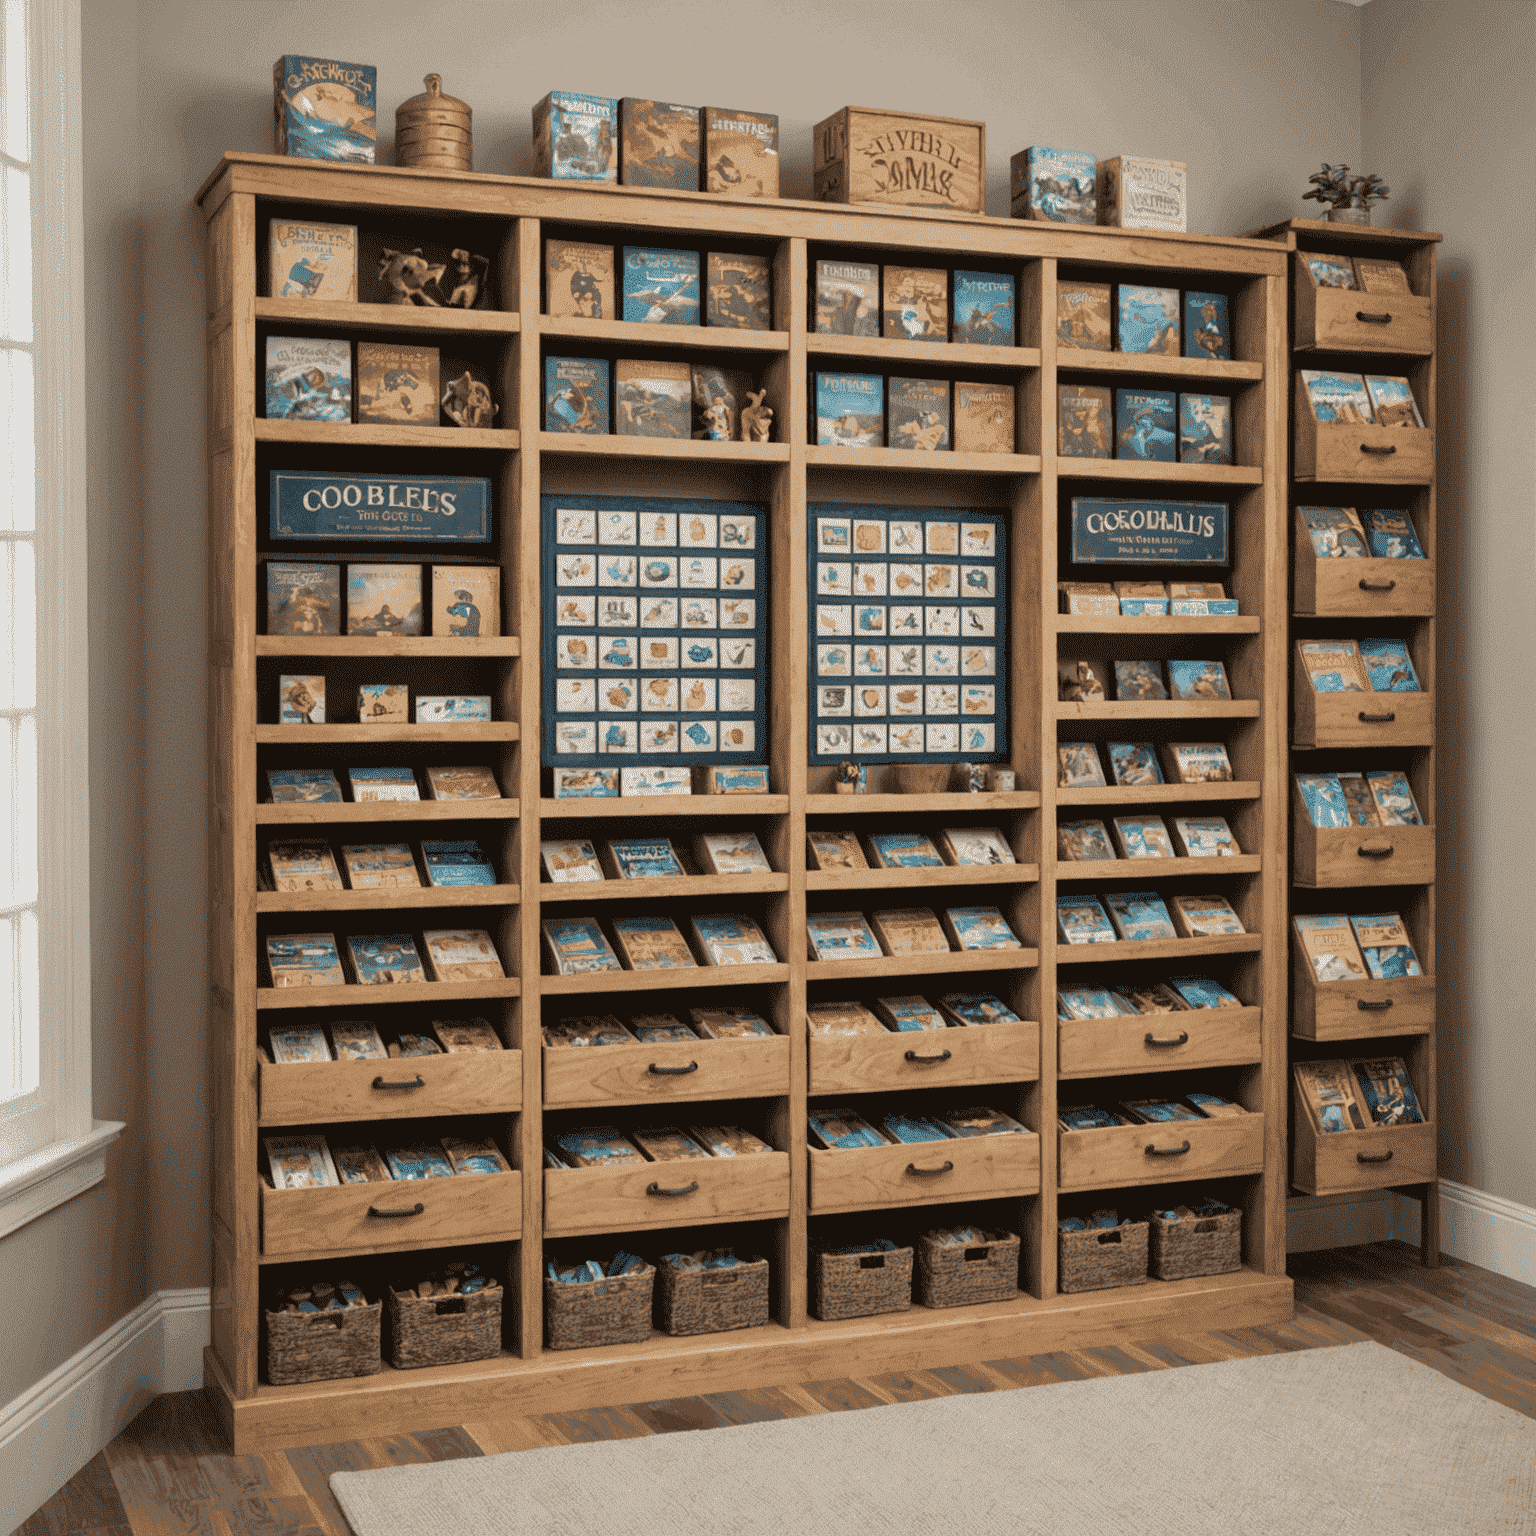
[(1200, 1037), (1358, 1010), (669, 1072), (1361, 589), (967, 1168), (304, 1092), (901, 160), (1358, 856), (1159, 1154), (1346, 320), (1338, 1162), (1341, 451), (1360, 720), (690, 1192)]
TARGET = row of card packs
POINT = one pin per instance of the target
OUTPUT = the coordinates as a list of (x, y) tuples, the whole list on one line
[(1142, 916), (313, 960), (304, 598), (319, 786)]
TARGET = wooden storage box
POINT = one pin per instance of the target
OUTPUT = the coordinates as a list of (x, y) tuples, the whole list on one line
[(1340, 450), (1102, 1258), (860, 1284), (949, 1275), (1347, 320), (1359, 719), (589, 1313), (930, 1058), (671, 1071), (405, 1213), (1198, 1245), (713, 1300), (1199, 1037), (1357, 1010), (1353, 856), (964, 1168), (689, 1192), (1161, 1154), (1336, 1162), (323, 1346), (901, 160), (444, 1330), (1361, 589), (311, 1092)]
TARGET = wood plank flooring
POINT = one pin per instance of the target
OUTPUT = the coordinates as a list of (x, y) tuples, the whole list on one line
[(167, 1474)]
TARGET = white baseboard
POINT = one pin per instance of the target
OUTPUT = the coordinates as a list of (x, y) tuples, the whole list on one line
[(55, 1427)]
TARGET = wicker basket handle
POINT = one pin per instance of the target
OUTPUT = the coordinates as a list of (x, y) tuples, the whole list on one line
[(871, 1261), (450, 1306), (1109, 1237), (692, 1066), (1168, 1151)]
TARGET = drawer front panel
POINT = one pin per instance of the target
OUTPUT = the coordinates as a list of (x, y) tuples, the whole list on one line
[(1362, 719), (1212, 1149), (689, 1191), (1365, 589), (477, 1208), (1350, 321), (1354, 856), (312, 1092), (1356, 1010), (671, 1072), (981, 1167), (1374, 1159), (1201, 1037), (934, 1058)]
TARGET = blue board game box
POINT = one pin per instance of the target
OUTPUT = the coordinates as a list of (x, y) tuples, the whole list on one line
[(1205, 429), (984, 308), (661, 287), (576, 137), (576, 395), (1149, 532), (1207, 330), (1054, 185), (1146, 425), (325, 110), (426, 509), (850, 410)]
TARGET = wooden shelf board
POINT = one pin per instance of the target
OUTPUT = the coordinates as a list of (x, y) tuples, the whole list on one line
[(406, 992), (920, 355), (1157, 869), (612, 445), (338, 434), (337, 735), (388, 647), (822, 456), (1159, 949), (715, 338), (313, 813), (920, 879), (424, 897), (687, 978), (665, 805), (924, 965), (1174, 474), (1151, 709), (1342, 236), (388, 317), (1152, 365), (689, 886), (1157, 794), (956, 802), (398, 1401), (1092, 624), (328, 1255)]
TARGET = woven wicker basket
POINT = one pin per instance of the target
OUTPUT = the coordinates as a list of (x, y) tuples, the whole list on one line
[(714, 1300), (323, 1346), (444, 1330), (1206, 1245), (949, 1275), (861, 1284), (1102, 1259), (585, 1313)]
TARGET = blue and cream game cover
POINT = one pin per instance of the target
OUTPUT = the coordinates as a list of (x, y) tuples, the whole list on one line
[(1338, 396), (850, 410), (1148, 319), (1389, 666), (984, 307), (1205, 429), (303, 599), (1207, 329), (576, 137), (1054, 185), (1146, 424), (661, 287), (324, 109), (1335, 532), (311, 261), (1391, 534), (308, 379), (1323, 796), (576, 395)]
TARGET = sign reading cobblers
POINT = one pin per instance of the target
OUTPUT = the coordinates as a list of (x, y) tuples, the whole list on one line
[(428, 509), (1148, 532)]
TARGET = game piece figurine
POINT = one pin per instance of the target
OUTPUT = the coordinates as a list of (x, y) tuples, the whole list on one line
[(756, 418), (847, 776), (467, 402), (408, 277)]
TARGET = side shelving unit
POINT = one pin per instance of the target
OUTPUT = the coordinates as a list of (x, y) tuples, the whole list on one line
[(785, 1203), (1358, 870)]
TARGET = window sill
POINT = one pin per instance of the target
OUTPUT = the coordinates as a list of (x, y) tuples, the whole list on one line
[(35, 1184)]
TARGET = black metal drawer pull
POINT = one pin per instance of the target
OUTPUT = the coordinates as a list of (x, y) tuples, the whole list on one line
[(1379, 448), (1370, 319), (1163, 1040), (929, 1173), (1384, 719), (1373, 1004), (682, 1189), (928, 1061), (1167, 1151), (692, 1066), (1376, 586), (1374, 851), (383, 1083), (1380, 1157), (415, 1210)]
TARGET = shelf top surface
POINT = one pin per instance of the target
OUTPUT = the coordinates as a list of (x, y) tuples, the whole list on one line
[(243, 170), (1345, 234)]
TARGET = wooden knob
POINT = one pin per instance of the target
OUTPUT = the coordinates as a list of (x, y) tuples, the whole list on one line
[(434, 84)]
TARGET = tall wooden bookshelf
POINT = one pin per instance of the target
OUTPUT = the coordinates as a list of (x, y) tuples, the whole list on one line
[(1368, 869), (792, 1200)]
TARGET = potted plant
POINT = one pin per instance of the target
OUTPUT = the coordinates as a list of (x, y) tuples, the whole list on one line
[(1350, 197)]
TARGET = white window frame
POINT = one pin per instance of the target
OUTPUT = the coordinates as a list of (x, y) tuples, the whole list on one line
[(62, 1147)]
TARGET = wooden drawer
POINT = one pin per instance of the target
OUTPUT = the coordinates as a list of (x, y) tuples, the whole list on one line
[(691, 1192), (469, 1208), (311, 1092), (1202, 1037), (978, 1168), (1337, 451), (1360, 719), (1358, 1010), (1192, 1149), (1345, 320), (1380, 1158), (937, 1058), (1362, 589), (1354, 856), (672, 1072)]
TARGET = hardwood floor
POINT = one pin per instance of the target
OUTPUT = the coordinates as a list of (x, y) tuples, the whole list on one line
[(167, 1474)]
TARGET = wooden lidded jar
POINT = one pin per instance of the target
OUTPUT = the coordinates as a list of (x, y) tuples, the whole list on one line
[(432, 131)]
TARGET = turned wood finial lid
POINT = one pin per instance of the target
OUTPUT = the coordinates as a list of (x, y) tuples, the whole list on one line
[(432, 106), (432, 131)]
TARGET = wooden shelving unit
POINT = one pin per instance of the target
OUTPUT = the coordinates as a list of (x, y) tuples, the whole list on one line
[(1368, 869), (1025, 1069)]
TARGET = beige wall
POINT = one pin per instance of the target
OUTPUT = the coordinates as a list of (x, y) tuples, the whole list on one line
[(1448, 120)]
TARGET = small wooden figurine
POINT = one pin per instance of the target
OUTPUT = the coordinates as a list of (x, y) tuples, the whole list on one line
[(846, 777), (756, 418), (467, 402), (432, 131)]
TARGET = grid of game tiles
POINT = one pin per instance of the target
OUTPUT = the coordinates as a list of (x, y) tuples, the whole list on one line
[(655, 614), (908, 617)]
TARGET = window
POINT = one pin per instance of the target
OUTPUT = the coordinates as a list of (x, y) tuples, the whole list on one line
[(50, 1148)]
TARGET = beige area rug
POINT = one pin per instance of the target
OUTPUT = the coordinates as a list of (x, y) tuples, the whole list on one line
[(1355, 1440)]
